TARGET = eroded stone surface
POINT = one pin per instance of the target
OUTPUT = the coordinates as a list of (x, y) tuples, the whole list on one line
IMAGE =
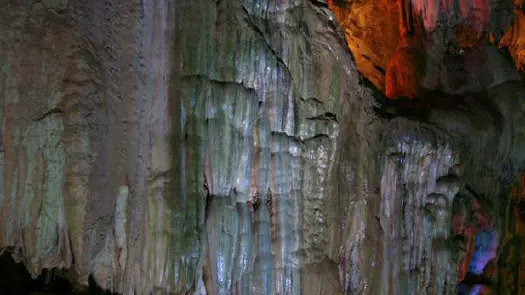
[(416, 201), (232, 147), (249, 96), (78, 85), (268, 114)]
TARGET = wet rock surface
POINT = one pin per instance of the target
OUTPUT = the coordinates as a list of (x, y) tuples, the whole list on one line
[(232, 147)]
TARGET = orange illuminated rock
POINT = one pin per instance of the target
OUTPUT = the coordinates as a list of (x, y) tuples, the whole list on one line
[(452, 32), (514, 39), (467, 36), (372, 34), (405, 71)]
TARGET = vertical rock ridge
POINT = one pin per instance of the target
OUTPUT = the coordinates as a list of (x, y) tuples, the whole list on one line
[(232, 147), (415, 209), (280, 157)]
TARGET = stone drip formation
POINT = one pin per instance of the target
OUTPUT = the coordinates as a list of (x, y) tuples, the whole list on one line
[(262, 147)]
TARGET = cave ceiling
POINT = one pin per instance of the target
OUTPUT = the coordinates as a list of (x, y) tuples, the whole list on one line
[(451, 46)]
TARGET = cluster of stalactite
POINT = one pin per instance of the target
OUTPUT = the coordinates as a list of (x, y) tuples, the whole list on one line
[(407, 46)]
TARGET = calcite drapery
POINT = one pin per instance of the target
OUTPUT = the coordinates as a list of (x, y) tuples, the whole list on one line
[(250, 95), (418, 185), (281, 83), (405, 70), (231, 148)]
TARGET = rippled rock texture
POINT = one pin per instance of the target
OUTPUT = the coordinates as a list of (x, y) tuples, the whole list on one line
[(171, 146), (232, 147), (85, 153)]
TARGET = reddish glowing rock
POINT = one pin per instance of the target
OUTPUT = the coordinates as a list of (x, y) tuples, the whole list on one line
[(405, 71), (475, 12), (514, 39), (372, 32)]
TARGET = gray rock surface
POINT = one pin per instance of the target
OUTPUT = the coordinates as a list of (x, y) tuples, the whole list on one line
[(230, 147)]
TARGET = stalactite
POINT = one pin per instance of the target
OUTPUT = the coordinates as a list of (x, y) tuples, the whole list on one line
[(406, 68)]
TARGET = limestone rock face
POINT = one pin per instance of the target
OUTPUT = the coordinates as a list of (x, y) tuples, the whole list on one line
[(232, 147), (262, 109), (418, 183), (176, 145), (512, 268), (85, 151)]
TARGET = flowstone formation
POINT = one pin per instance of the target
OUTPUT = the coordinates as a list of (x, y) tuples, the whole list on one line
[(259, 127), (418, 183), (232, 147), (177, 146)]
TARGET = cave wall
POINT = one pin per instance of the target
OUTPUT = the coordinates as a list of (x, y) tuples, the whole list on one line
[(267, 177), (85, 131), (232, 147), (511, 270), (171, 146)]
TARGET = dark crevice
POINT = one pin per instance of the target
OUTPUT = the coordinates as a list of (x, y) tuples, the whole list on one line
[(378, 68), (219, 82), (313, 99), (46, 114), (324, 117), (322, 4), (16, 280)]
